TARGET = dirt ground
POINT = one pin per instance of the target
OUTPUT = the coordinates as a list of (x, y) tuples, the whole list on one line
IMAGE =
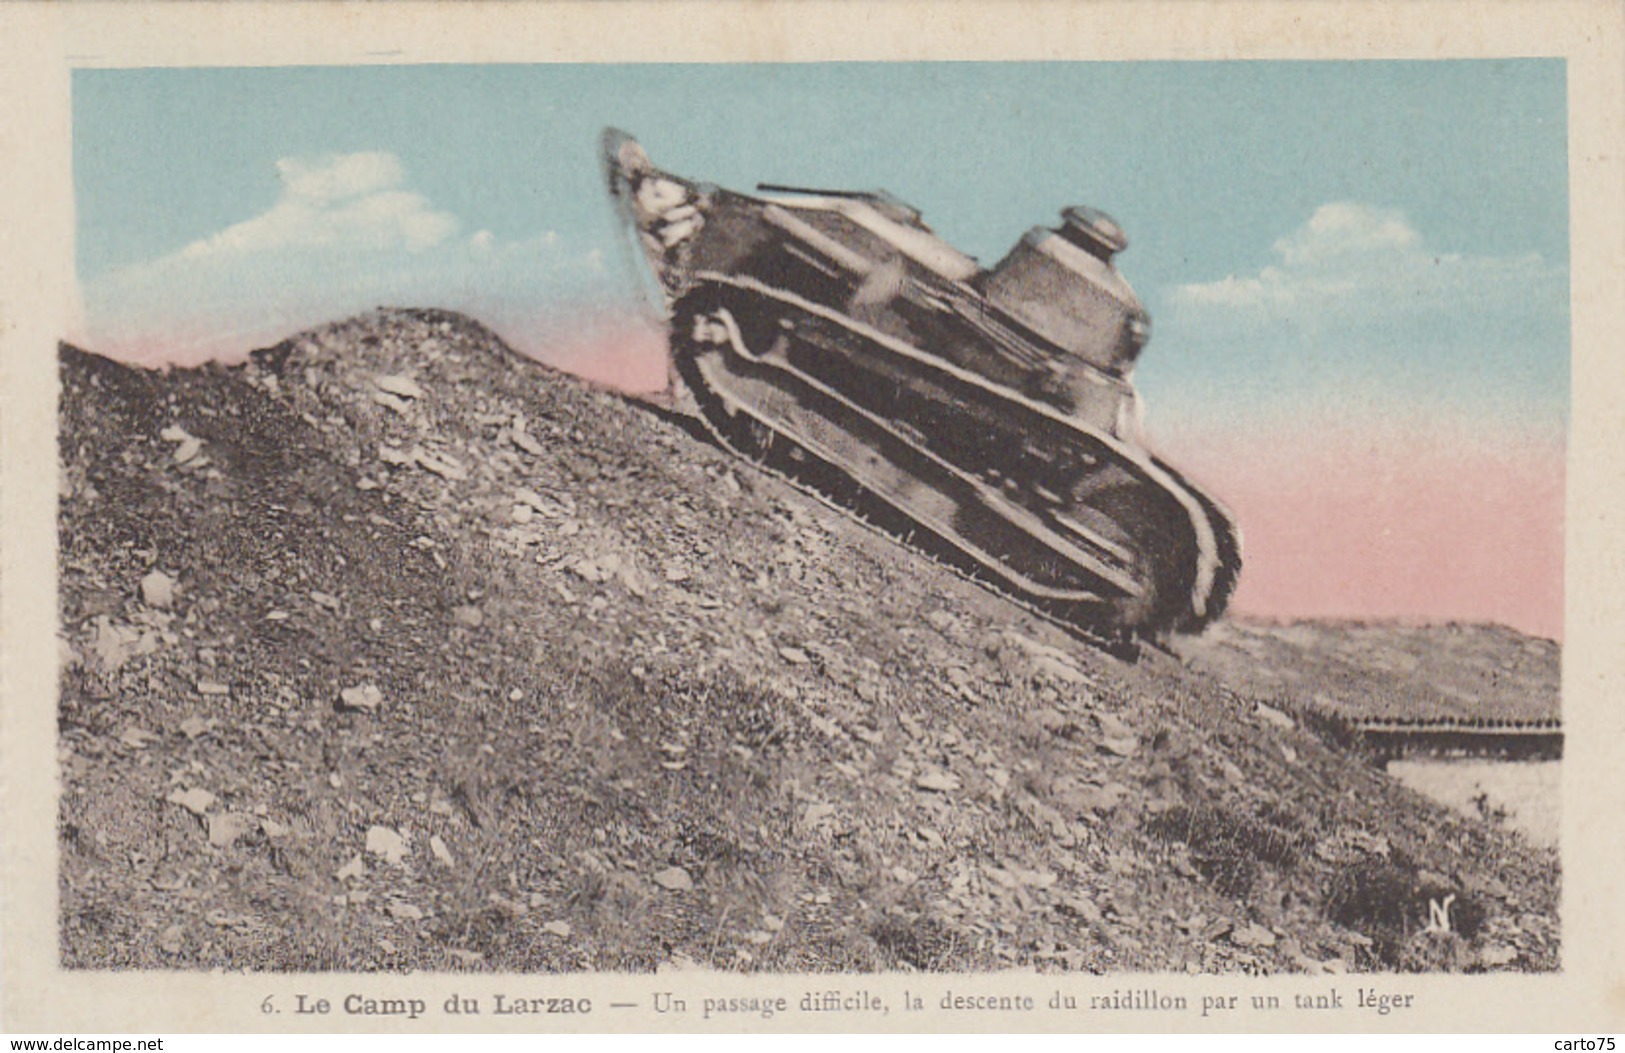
[(393, 650)]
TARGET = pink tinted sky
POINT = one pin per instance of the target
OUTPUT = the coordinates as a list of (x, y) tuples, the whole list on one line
[(1419, 523)]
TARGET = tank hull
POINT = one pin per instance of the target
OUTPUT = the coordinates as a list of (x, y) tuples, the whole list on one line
[(881, 380)]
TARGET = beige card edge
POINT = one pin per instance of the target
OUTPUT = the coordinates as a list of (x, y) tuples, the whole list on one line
[(41, 44)]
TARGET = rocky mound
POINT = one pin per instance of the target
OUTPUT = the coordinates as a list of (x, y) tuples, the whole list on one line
[(393, 650)]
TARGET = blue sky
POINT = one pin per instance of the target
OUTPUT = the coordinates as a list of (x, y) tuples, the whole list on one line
[(1303, 233)]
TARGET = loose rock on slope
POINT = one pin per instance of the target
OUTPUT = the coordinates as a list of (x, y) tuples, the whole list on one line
[(604, 655)]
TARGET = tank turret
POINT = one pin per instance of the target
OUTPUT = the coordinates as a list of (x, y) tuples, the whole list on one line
[(1063, 285)]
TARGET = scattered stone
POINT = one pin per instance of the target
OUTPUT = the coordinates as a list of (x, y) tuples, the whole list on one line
[(213, 688), (1252, 935), (530, 499), (382, 841), (189, 448), (196, 801), (113, 645), (1122, 747), (590, 570), (1084, 907), (364, 697), (170, 940), (793, 655), (1034, 878), (1113, 725), (442, 464), (402, 911), (392, 402), (322, 599), (136, 738), (558, 928), (674, 879), (631, 579), (1043, 658), (1110, 795), (187, 445), (1050, 720), (936, 780), (519, 435), (438, 849), (225, 829), (353, 869), (468, 615), (158, 589), (1274, 717), (273, 829), (1001, 877), (197, 727), (400, 385), (1496, 955)]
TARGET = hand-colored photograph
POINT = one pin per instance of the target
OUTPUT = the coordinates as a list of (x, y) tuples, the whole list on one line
[(805, 518)]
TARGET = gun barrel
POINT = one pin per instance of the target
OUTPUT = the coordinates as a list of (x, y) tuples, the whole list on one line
[(779, 188)]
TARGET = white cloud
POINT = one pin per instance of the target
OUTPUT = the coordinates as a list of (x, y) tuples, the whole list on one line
[(1344, 229), (1355, 313), (336, 201), (1352, 261), (337, 176), (346, 234)]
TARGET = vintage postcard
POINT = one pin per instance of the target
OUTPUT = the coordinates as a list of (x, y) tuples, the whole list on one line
[(812, 517)]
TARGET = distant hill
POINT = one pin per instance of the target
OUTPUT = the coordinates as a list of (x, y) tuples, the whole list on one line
[(394, 650), (1386, 672)]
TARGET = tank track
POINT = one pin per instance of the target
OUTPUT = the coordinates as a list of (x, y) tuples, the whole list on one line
[(1228, 572), (855, 506), (1091, 616), (1175, 556)]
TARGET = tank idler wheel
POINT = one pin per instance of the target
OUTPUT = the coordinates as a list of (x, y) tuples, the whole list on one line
[(1127, 515)]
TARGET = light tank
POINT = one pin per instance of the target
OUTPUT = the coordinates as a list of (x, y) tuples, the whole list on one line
[(986, 417)]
